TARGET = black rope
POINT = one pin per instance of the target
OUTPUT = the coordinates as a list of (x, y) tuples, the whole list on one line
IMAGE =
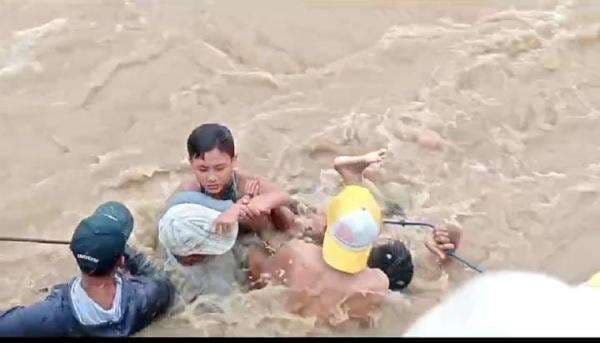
[(32, 240)]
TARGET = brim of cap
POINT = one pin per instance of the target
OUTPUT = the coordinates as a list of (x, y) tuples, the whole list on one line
[(342, 259)]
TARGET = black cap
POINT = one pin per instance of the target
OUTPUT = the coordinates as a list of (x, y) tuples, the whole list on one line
[(97, 243), (118, 212)]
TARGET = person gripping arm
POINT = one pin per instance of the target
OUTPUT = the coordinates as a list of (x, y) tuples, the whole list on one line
[(264, 196)]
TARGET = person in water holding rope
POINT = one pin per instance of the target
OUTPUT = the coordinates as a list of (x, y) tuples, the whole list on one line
[(118, 293), (349, 276)]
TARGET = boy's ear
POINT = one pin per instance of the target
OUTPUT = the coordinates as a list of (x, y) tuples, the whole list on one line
[(234, 161)]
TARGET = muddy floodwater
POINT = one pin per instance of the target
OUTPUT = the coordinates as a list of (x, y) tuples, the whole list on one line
[(490, 111)]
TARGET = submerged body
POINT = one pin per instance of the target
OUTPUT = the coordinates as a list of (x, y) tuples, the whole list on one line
[(315, 289)]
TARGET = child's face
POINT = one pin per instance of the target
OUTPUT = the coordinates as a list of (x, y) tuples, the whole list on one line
[(214, 171)]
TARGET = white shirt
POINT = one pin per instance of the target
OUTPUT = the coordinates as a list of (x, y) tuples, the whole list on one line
[(88, 312)]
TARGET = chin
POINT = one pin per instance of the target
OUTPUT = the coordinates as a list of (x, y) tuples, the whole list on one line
[(215, 192)]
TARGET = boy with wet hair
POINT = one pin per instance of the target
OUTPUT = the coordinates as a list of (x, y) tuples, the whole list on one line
[(257, 203), (395, 260)]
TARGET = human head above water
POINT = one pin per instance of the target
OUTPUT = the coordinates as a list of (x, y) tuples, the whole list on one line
[(394, 259), (186, 231), (211, 151), (98, 242)]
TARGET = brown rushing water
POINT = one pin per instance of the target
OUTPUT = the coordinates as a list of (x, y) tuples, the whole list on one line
[(489, 109)]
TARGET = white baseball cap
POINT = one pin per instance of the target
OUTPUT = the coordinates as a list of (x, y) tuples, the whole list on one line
[(188, 229)]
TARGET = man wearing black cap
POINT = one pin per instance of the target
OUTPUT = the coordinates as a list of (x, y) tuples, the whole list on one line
[(102, 301)]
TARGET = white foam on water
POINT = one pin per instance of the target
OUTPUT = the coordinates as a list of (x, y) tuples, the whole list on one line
[(19, 55)]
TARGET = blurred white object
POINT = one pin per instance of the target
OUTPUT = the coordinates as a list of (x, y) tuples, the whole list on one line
[(510, 304)]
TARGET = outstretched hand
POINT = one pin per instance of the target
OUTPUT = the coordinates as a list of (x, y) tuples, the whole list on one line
[(443, 241)]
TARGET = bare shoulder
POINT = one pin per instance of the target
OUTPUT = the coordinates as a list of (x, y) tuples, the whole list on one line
[(374, 278), (242, 178), (308, 255)]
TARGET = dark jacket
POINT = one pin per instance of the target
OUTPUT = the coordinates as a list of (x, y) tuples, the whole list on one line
[(144, 297)]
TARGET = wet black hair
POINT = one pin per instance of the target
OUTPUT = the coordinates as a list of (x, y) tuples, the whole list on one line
[(394, 259), (206, 137)]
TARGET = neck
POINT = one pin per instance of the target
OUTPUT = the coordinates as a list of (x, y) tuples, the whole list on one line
[(225, 192), (101, 289), (219, 196), (88, 281)]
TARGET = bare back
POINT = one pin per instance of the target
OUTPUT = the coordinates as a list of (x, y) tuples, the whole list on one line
[(315, 289)]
